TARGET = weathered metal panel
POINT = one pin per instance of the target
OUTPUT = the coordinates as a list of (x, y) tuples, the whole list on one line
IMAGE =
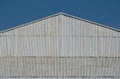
[(105, 41), (36, 66), (60, 46), (61, 36)]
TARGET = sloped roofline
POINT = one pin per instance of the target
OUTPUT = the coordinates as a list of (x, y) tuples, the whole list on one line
[(60, 13)]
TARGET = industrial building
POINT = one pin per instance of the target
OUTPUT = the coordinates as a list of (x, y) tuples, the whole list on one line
[(60, 46)]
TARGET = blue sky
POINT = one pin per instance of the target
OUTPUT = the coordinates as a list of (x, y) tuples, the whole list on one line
[(17, 12)]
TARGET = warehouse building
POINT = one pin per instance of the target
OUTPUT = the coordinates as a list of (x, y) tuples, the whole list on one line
[(60, 46)]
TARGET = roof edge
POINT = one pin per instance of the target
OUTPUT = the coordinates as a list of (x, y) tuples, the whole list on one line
[(109, 27), (60, 13)]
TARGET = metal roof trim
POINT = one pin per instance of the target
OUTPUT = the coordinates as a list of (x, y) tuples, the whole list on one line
[(60, 13), (30, 22), (91, 22)]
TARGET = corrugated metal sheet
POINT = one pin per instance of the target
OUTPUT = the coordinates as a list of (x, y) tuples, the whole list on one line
[(65, 78), (65, 46), (61, 36), (59, 67)]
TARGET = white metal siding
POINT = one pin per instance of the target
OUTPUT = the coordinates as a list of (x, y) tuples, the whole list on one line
[(60, 46), (60, 36), (59, 67)]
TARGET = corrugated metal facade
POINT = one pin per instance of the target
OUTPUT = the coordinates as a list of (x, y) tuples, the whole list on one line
[(60, 46)]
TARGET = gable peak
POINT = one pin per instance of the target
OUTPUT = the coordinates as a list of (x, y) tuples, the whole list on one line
[(57, 14)]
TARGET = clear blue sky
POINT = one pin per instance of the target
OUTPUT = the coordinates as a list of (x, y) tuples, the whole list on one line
[(17, 12)]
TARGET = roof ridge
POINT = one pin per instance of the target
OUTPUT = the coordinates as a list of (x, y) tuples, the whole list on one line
[(60, 13)]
